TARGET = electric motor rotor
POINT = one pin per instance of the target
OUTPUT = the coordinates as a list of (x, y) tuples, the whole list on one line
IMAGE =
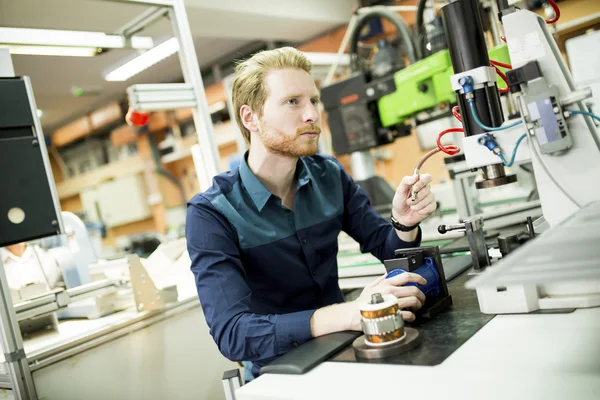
[(382, 321)]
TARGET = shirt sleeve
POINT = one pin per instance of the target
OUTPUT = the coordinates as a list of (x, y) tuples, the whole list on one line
[(374, 233), (240, 334)]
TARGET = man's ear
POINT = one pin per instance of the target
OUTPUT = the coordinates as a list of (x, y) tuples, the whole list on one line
[(248, 119)]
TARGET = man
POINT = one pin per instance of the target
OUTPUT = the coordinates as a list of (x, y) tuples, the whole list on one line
[(28, 264), (263, 238)]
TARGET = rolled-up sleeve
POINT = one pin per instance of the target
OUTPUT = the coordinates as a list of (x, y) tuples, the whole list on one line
[(240, 334), (374, 233)]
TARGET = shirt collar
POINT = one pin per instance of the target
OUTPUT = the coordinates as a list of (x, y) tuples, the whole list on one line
[(7, 255), (257, 191), (303, 173)]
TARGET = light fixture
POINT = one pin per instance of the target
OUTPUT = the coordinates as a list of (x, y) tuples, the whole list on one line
[(39, 113), (317, 58), (161, 96), (144, 61), (54, 51), (51, 37)]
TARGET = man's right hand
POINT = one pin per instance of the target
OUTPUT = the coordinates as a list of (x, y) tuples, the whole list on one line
[(409, 297)]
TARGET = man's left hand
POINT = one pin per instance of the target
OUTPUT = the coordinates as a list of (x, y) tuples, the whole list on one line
[(407, 211)]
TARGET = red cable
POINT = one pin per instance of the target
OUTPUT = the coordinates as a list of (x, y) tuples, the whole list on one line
[(456, 113), (450, 149), (500, 64), (504, 78), (556, 12)]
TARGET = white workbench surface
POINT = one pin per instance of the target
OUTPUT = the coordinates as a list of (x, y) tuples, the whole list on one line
[(534, 356)]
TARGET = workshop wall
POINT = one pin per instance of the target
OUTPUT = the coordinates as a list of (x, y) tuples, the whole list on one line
[(393, 161)]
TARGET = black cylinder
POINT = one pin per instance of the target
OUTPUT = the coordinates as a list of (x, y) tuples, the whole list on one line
[(468, 50), (464, 33)]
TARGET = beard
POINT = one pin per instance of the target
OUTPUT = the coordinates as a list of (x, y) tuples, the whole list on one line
[(284, 144)]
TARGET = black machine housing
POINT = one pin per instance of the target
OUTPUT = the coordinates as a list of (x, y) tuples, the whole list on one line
[(413, 258), (353, 116), (24, 169)]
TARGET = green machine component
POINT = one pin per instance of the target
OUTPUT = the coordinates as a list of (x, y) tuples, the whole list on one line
[(424, 85)]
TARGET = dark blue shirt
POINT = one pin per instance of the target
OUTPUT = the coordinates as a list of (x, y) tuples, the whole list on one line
[(261, 269)]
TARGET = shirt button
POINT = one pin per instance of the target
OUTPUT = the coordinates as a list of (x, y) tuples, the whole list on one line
[(295, 344), (288, 211), (304, 241), (314, 273)]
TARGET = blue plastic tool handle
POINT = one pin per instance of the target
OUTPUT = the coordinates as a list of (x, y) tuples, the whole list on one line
[(427, 271)]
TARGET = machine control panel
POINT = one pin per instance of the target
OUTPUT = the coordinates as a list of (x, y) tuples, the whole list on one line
[(351, 106)]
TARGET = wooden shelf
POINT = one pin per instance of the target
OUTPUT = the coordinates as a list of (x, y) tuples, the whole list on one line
[(74, 186)]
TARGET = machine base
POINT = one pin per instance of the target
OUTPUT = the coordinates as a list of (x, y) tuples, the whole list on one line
[(365, 351), (489, 183)]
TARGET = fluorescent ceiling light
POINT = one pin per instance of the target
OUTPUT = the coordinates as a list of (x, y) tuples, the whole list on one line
[(51, 37), (144, 61), (53, 51), (317, 58)]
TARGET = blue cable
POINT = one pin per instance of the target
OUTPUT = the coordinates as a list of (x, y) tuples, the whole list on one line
[(488, 128), (589, 114), (514, 153)]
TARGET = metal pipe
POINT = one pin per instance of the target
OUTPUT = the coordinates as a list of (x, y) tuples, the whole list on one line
[(494, 23)]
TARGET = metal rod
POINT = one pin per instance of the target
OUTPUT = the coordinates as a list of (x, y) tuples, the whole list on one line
[(12, 343), (191, 72), (83, 289), (341, 50), (142, 21)]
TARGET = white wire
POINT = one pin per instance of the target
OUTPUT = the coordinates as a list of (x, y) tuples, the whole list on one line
[(541, 161)]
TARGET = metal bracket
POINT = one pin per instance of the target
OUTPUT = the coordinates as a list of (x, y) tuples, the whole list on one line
[(481, 77), (15, 355), (232, 380), (147, 295)]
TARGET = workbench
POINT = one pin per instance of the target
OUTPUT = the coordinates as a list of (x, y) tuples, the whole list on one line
[(529, 356), (166, 353)]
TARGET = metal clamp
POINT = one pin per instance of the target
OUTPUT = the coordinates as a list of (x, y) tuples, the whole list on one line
[(476, 237), (481, 77), (15, 355)]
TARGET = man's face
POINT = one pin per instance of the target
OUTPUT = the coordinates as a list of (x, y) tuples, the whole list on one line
[(291, 121)]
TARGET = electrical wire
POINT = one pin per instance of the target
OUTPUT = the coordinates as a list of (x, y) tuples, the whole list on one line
[(514, 153), (543, 165), (425, 158), (587, 113), (556, 12), (488, 128), (456, 113), (505, 79), (451, 149), (500, 64), (497, 64)]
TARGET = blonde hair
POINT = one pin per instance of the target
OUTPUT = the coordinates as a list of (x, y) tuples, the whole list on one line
[(249, 85)]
